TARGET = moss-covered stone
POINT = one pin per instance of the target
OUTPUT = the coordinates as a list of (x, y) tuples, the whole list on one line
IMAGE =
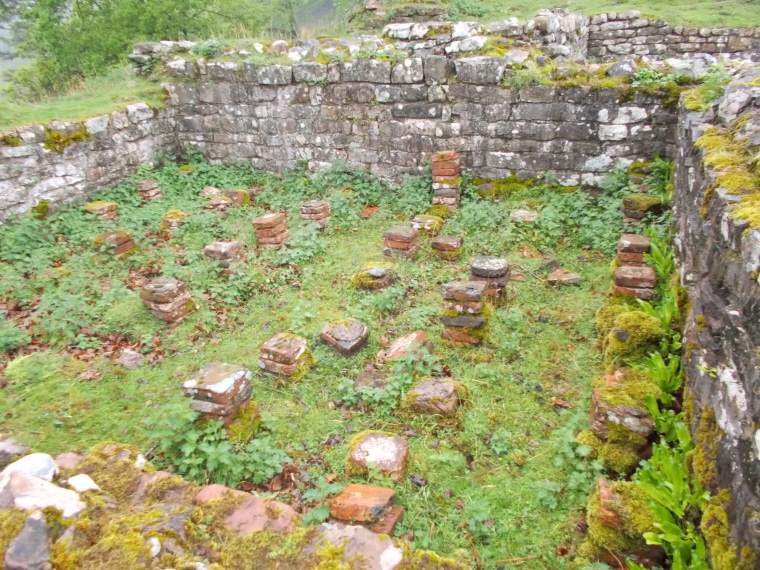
[(11, 140), (605, 318), (440, 211), (631, 388), (58, 141), (620, 452), (643, 203), (634, 335), (706, 443)]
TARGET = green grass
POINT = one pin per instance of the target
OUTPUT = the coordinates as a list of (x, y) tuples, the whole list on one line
[(95, 96), (543, 346), (699, 13)]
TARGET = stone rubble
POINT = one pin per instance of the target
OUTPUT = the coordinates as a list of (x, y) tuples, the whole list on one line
[(414, 342), (237, 196), (149, 190), (102, 209), (118, 242), (172, 220), (427, 225), (562, 277), (271, 230), (167, 299), (372, 277), (434, 396)]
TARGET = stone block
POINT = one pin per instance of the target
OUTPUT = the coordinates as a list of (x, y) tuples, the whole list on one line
[(162, 290), (271, 232), (562, 277), (284, 348), (347, 336), (225, 252), (257, 514), (401, 234), (149, 190), (371, 277), (119, 242), (461, 336), (377, 379), (463, 321), (366, 70), (483, 70), (387, 454), (429, 225), (524, 216), (217, 382), (465, 307), (29, 550), (237, 196), (633, 243), (434, 396), (603, 414), (464, 290), (437, 69), (639, 277), (408, 71)]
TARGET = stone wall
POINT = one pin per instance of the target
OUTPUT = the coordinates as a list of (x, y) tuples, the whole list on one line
[(392, 117), (613, 36), (720, 258), (115, 147)]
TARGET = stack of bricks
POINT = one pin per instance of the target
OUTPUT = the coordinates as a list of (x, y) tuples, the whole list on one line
[(632, 277), (400, 241), (447, 247), (493, 271), (428, 225), (271, 230), (285, 355), (171, 221), (119, 242), (219, 390), (446, 179), (167, 299), (149, 190), (105, 210), (238, 197), (317, 211), (464, 313), (224, 252)]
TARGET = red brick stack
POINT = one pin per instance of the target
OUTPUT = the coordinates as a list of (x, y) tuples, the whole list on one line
[(447, 181), (105, 210), (120, 242), (285, 355), (447, 247), (463, 312), (271, 230), (401, 241), (218, 390), (167, 299), (149, 190), (317, 211), (225, 252), (633, 277), (495, 271)]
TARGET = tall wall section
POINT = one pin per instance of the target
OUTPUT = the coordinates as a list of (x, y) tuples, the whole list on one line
[(392, 117), (719, 248)]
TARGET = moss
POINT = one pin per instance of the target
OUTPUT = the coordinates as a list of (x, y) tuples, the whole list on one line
[(245, 424), (620, 453), (58, 141), (716, 530), (186, 168), (452, 255), (98, 204), (112, 466), (41, 210), (363, 280), (440, 211), (707, 441), (641, 202), (639, 168), (634, 517), (157, 490), (305, 362), (11, 521), (11, 140), (605, 318), (635, 334), (631, 388)]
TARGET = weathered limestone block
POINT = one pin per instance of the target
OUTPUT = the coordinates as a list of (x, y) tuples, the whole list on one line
[(408, 71), (483, 70), (366, 70)]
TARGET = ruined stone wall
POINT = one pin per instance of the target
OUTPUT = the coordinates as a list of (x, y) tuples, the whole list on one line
[(116, 145), (720, 256), (391, 118), (613, 36)]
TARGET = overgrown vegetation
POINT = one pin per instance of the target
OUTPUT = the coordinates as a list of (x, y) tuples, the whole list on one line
[(491, 478)]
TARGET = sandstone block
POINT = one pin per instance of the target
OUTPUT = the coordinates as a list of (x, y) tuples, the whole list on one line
[(214, 492), (630, 258), (162, 290), (524, 216), (268, 220), (149, 190), (238, 196), (284, 348), (413, 342), (483, 70), (257, 513), (602, 414), (633, 243), (362, 503), (275, 240), (271, 232), (430, 225), (224, 252), (217, 382), (434, 396), (105, 210), (401, 234), (462, 336), (446, 243)]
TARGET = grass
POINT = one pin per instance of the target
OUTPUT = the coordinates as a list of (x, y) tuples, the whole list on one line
[(520, 502), (93, 97), (699, 13)]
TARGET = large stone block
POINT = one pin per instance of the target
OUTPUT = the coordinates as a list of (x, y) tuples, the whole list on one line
[(481, 70)]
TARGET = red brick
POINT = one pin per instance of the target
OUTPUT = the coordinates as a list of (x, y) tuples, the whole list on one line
[(453, 180), (455, 334), (635, 276), (270, 232), (444, 155), (464, 290), (397, 244), (465, 307), (439, 172), (238, 197), (633, 243), (447, 164), (268, 220), (446, 243), (362, 503), (643, 294), (402, 346), (625, 258), (277, 367), (283, 348), (387, 524), (274, 240), (607, 516), (401, 233)]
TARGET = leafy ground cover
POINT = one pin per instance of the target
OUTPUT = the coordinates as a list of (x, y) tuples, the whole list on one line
[(505, 480)]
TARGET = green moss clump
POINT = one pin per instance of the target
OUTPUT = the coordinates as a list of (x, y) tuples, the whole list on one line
[(634, 518), (504, 187), (641, 202), (716, 530), (639, 168), (58, 141), (112, 466), (440, 211), (452, 255), (631, 388), (11, 140), (186, 168), (605, 318), (41, 210), (305, 362), (620, 452), (707, 441), (363, 280), (634, 335), (245, 424), (11, 521)]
